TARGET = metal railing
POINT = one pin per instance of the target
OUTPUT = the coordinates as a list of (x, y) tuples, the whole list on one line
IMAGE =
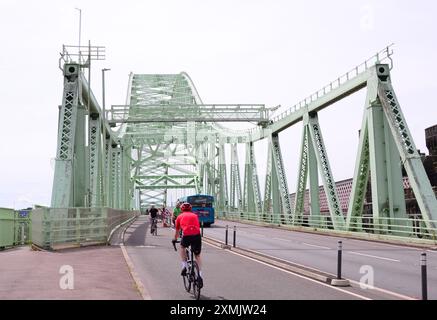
[(377, 58), (413, 227), (15, 227), (54, 227)]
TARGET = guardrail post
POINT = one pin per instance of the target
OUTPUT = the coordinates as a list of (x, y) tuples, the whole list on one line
[(340, 245), (424, 277), (226, 235), (235, 236)]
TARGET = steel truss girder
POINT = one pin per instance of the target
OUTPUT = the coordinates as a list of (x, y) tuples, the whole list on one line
[(70, 175), (223, 200), (95, 162), (280, 181), (173, 113), (360, 178), (252, 195), (406, 148), (316, 140), (236, 198)]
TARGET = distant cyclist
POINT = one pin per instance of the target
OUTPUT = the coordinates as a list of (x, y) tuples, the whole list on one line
[(176, 212), (190, 225), (153, 215)]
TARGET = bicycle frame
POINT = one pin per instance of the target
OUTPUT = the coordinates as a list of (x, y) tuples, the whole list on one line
[(192, 272), (154, 226)]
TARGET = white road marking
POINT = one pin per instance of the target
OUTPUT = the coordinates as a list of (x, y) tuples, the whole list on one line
[(280, 239), (313, 245), (298, 275), (398, 295), (371, 256)]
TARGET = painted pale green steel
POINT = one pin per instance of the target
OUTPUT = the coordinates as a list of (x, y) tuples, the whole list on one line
[(54, 227), (235, 196), (388, 199), (95, 161), (252, 196), (314, 182), (165, 138), (267, 207), (307, 169), (63, 186), (410, 157), (302, 177), (223, 183), (163, 113), (281, 178), (360, 178), (335, 210), (7, 227)]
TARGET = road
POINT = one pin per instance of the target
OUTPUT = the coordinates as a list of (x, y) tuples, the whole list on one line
[(395, 268), (227, 275)]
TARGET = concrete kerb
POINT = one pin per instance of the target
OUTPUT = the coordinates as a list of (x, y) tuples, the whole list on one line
[(139, 285), (145, 294), (120, 225), (286, 265)]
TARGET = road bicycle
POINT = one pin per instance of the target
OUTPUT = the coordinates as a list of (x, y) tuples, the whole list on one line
[(154, 227), (192, 276)]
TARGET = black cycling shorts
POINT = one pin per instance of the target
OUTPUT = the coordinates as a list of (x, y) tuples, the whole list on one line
[(195, 242)]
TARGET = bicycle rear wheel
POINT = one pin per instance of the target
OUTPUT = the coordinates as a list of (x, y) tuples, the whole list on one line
[(196, 276), (187, 282), (155, 231)]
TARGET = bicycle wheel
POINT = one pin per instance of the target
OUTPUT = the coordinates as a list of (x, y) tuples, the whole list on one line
[(186, 278), (196, 276), (155, 231)]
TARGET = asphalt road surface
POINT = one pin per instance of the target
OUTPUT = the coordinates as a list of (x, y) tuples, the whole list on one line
[(228, 275), (395, 268)]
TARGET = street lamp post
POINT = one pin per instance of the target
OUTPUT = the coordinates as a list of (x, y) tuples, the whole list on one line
[(80, 27), (103, 91)]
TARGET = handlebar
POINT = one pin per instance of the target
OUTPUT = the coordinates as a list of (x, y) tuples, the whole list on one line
[(174, 244)]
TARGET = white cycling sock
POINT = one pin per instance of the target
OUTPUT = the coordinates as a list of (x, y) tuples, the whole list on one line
[(200, 273), (184, 264)]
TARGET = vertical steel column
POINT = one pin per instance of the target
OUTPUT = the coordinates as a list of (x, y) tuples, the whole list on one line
[(315, 218), (360, 180), (236, 200), (267, 205), (108, 174), (252, 198), (113, 203), (223, 183), (302, 178), (281, 180), (326, 173), (95, 155), (63, 188), (406, 148)]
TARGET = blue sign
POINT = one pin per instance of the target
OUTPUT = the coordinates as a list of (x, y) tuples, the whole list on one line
[(23, 213)]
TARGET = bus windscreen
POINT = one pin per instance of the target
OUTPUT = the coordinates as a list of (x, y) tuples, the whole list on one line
[(200, 200)]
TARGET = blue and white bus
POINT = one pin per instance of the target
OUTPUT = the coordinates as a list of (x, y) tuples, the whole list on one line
[(203, 206)]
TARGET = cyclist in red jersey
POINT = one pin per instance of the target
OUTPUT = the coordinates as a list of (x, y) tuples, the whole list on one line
[(190, 225)]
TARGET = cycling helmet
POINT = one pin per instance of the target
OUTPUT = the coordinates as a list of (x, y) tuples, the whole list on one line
[(186, 207)]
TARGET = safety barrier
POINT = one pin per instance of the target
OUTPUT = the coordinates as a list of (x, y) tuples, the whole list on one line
[(14, 227), (412, 228), (54, 228)]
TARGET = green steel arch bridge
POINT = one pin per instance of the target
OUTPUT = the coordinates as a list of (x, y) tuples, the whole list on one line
[(130, 156)]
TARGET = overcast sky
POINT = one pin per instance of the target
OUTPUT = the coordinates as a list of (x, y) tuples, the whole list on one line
[(271, 52)]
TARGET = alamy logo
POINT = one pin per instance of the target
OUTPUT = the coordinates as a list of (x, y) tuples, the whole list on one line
[(367, 280), (67, 280), (367, 21)]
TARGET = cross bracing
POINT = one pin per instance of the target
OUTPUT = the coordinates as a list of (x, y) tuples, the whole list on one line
[(165, 138)]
